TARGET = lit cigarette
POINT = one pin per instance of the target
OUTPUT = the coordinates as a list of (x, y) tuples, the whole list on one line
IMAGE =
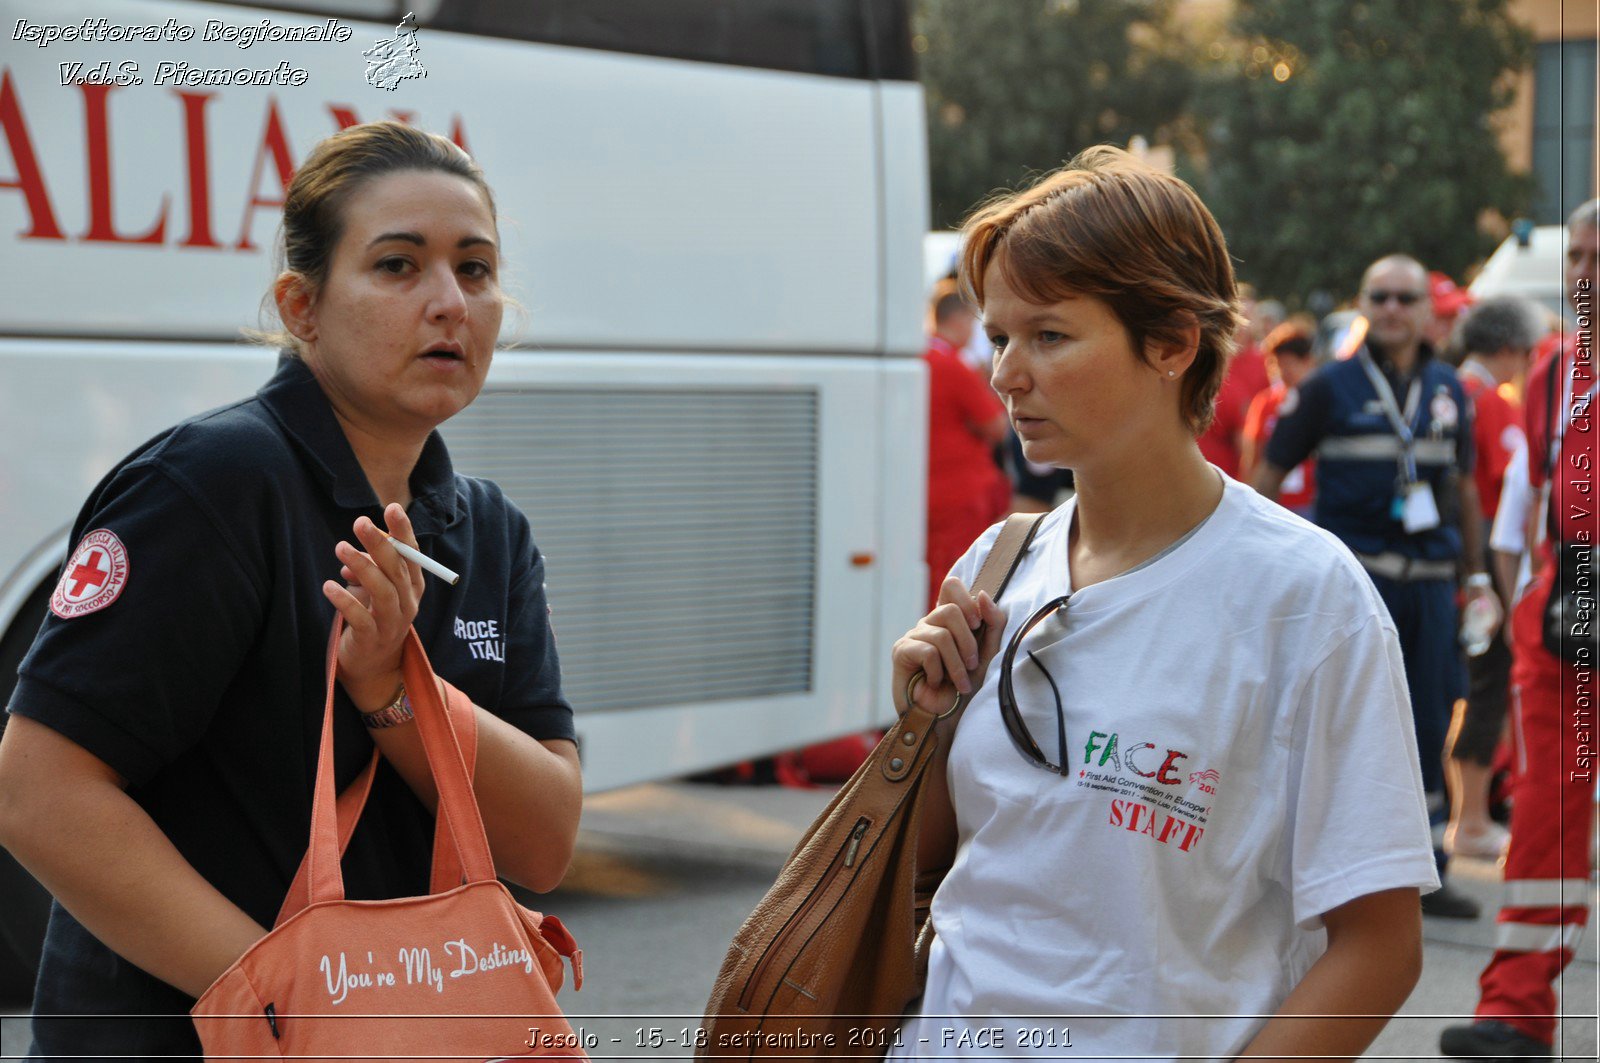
[(418, 557)]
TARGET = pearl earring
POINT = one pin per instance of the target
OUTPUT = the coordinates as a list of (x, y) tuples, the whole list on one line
[(1172, 372)]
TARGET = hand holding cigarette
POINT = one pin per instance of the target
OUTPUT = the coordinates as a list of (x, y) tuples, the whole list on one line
[(379, 600)]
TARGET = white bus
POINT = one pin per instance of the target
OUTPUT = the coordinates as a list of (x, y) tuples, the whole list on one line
[(712, 212)]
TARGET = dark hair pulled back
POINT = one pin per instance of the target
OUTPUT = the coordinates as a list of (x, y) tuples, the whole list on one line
[(335, 171)]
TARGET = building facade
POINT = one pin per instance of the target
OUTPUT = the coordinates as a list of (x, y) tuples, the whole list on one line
[(1550, 130)]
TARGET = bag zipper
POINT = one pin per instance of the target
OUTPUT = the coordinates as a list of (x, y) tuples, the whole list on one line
[(845, 858)]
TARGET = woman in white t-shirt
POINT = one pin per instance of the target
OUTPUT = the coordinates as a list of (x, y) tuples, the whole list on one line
[(1184, 806)]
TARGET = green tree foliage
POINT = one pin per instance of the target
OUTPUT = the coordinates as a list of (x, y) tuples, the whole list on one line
[(1338, 131), (1015, 87)]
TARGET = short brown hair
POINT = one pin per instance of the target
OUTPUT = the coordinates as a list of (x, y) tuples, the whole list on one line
[(313, 207), (1110, 226), (1291, 337), (945, 301)]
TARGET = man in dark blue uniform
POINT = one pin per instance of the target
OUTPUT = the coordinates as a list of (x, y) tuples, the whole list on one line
[(1391, 429)]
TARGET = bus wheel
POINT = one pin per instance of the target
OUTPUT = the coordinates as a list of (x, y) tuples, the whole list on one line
[(27, 907)]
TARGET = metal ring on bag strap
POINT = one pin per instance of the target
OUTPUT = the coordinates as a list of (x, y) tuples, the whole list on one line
[(919, 677), (905, 755), (913, 734)]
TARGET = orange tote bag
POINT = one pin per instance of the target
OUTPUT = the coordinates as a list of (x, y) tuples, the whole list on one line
[(464, 973)]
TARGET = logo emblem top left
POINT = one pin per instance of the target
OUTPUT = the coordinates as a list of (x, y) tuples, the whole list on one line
[(94, 577)]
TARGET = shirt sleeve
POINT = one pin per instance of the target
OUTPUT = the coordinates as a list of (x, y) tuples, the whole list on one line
[(1359, 822), (1483, 418), (1303, 419), (137, 680), (533, 701), (1516, 498)]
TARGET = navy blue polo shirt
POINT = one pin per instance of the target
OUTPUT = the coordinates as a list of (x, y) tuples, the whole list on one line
[(1336, 415), (186, 649)]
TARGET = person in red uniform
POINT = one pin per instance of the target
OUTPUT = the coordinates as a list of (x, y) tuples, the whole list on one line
[(1289, 360), (1495, 338), (967, 492), (1547, 865), (1222, 444), (1448, 300)]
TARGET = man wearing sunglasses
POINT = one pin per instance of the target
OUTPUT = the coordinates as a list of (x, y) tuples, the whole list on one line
[(1391, 428)]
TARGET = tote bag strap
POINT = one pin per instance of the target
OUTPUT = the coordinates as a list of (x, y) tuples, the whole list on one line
[(447, 870), (446, 862), (457, 809), (456, 815)]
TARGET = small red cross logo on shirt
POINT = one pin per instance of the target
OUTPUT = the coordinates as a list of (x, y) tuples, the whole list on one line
[(88, 575), (94, 576)]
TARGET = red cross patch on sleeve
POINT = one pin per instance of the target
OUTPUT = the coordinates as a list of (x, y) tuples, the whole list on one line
[(94, 577)]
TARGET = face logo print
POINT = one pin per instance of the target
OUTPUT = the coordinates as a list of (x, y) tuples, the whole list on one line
[(1145, 805)]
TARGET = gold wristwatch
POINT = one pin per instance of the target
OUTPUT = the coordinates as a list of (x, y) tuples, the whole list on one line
[(393, 714)]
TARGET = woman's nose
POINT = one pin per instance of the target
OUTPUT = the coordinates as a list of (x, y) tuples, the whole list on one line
[(1006, 373), (446, 300)]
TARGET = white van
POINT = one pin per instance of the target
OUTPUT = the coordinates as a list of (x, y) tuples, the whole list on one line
[(1533, 270)]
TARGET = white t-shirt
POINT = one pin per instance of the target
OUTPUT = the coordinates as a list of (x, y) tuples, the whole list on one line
[(1242, 760), (1508, 534)]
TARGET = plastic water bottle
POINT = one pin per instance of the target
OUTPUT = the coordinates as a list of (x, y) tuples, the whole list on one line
[(1478, 622)]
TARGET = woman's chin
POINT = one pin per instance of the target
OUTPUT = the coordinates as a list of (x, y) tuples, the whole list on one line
[(1050, 455), (439, 404)]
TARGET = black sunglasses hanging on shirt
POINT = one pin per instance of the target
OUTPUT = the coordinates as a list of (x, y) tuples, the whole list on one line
[(1012, 716)]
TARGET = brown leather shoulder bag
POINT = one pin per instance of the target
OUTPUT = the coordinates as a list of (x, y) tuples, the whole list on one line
[(829, 960)]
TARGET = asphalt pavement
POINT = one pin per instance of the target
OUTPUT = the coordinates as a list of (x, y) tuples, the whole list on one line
[(665, 874)]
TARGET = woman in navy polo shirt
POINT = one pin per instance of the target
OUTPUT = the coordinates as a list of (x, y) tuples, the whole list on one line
[(157, 770)]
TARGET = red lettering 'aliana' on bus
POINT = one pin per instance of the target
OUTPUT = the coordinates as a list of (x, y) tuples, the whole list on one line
[(272, 149)]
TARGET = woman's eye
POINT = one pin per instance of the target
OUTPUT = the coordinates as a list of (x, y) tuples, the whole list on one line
[(1051, 337), (997, 342), (393, 265), (477, 269)]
